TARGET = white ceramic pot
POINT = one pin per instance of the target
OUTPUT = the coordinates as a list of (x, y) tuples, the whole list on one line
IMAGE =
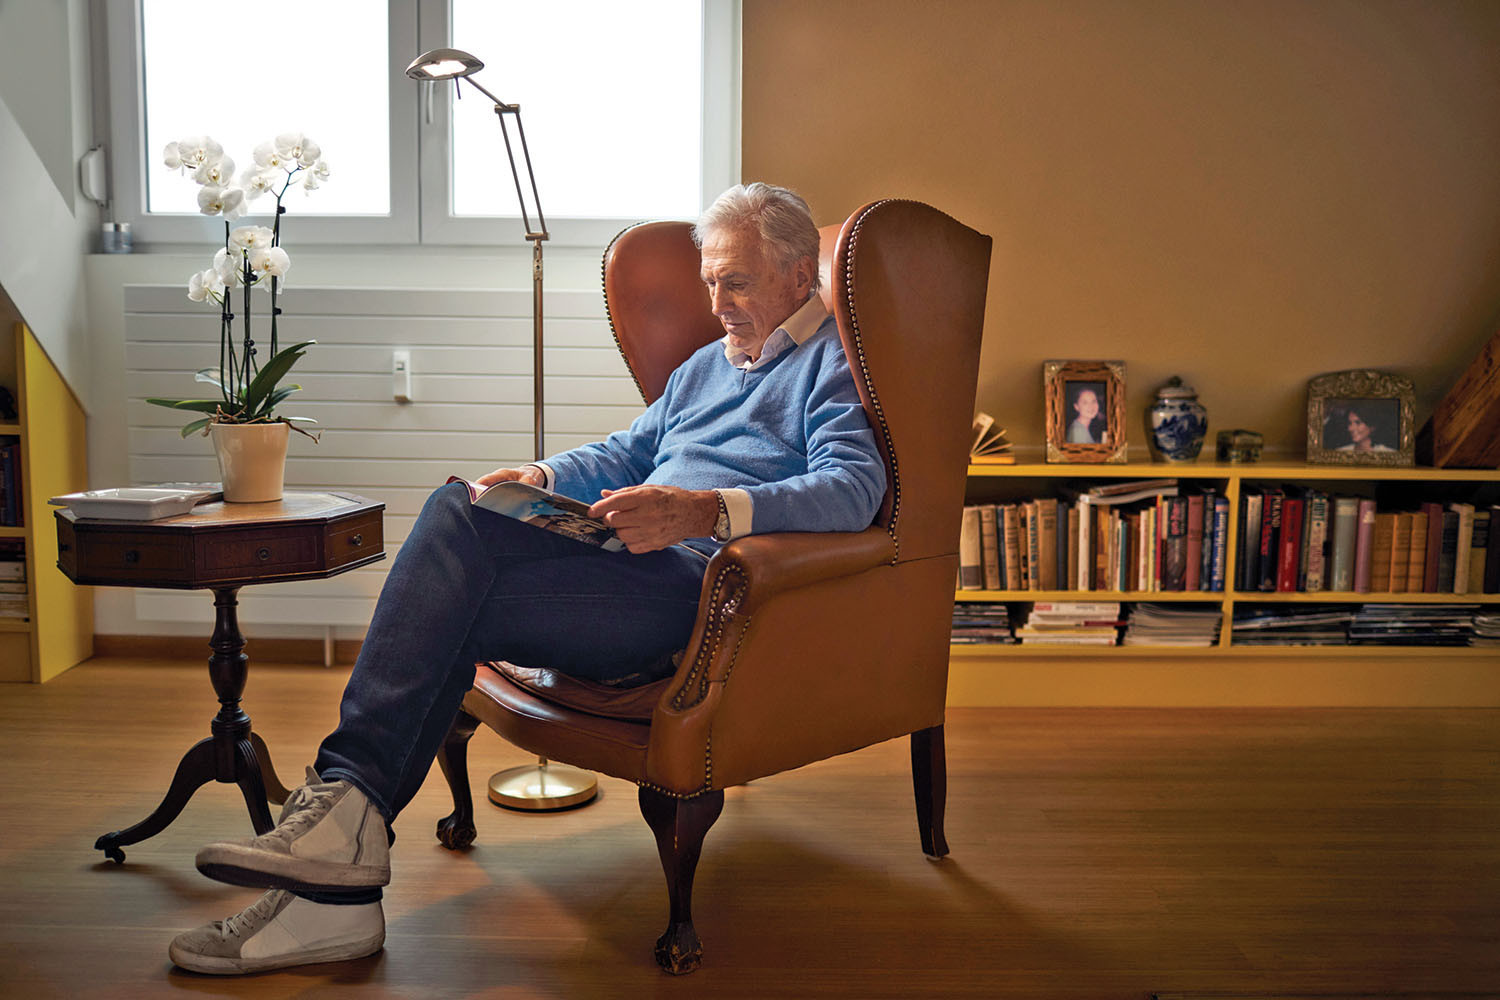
[(252, 460)]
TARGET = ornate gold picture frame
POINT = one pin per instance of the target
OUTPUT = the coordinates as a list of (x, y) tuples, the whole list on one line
[(1085, 410), (1360, 417)]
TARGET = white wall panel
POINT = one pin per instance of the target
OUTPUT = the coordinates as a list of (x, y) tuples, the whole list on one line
[(471, 408)]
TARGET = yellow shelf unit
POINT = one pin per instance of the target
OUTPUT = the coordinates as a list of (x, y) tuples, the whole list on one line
[(60, 632), (1226, 674)]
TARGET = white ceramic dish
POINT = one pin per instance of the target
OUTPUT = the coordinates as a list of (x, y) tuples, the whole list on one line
[(133, 503)]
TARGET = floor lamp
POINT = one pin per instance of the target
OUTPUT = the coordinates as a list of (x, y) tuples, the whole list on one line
[(542, 786)]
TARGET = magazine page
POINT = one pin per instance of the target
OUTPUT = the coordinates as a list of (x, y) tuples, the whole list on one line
[(545, 509)]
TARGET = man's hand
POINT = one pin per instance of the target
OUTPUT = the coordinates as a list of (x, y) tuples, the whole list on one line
[(648, 518), (528, 474)]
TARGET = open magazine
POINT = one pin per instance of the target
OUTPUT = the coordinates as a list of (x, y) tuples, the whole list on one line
[(545, 509)]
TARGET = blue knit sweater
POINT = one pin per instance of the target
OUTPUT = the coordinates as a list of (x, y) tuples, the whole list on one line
[(791, 433)]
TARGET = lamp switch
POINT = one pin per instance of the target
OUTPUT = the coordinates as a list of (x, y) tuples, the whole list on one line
[(401, 376)]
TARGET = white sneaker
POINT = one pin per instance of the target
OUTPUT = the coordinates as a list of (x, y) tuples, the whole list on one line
[(280, 930), (329, 837)]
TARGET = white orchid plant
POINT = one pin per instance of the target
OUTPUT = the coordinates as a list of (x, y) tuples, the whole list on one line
[(252, 257)]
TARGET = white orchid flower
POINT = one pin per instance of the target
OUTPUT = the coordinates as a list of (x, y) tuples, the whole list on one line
[(197, 150), (229, 267), (173, 157), (270, 262), (257, 182), (316, 175), (227, 201), (216, 173), (298, 148), (206, 284), (252, 237), (267, 157)]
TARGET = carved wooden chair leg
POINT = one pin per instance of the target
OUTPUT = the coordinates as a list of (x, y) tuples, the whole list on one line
[(456, 830), (680, 826), (929, 776)]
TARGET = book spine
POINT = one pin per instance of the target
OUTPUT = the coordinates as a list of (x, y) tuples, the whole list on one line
[(1408, 549), (970, 557), (1101, 548), (1317, 542), (989, 545), (1447, 566), (1175, 545), (1289, 555), (1432, 521), (1070, 557), (1270, 536), (1478, 564), (1193, 574), (1046, 534), (1012, 523), (1381, 546), (1220, 544), (1345, 529), (1463, 546), (1364, 540), (1492, 552), (1249, 566), (1033, 547)]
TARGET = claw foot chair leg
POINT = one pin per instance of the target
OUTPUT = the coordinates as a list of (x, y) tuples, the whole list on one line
[(456, 830), (680, 826), (929, 776)]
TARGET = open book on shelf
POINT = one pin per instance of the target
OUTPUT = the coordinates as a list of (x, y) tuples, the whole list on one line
[(557, 513), (989, 445)]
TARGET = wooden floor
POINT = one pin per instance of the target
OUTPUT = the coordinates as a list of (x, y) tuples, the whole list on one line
[(1096, 854)]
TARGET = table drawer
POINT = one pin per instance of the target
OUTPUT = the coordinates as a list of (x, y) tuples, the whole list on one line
[(132, 560), (264, 553), (356, 540)]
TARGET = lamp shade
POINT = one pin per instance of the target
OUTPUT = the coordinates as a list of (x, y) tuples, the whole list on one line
[(443, 64)]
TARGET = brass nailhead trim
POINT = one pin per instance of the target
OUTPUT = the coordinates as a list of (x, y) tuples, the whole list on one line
[(864, 368)]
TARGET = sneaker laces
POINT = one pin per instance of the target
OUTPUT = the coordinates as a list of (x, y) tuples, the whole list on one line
[(254, 915), (305, 806)]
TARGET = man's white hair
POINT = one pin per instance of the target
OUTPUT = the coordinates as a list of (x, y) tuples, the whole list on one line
[(777, 215)]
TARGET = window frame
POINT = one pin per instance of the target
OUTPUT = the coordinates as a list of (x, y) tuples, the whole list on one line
[(130, 159), (420, 143)]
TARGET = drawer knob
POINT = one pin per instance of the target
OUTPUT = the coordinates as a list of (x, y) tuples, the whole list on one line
[(357, 540), (132, 557), (262, 553)]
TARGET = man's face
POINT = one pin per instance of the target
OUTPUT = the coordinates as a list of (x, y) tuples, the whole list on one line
[(751, 296)]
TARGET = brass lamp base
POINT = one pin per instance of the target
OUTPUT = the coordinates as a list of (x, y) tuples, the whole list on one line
[(542, 787)]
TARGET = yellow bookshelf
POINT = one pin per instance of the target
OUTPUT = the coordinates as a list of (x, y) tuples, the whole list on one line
[(1226, 674), (59, 632)]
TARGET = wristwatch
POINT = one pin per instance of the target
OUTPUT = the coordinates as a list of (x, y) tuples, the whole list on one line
[(721, 524)]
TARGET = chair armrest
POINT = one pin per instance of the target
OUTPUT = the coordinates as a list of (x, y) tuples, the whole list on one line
[(770, 564)]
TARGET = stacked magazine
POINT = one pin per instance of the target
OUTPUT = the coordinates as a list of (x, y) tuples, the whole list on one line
[(981, 623), (1486, 629), (1413, 625), (1293, 625), (1173, 625), (1071, 623)]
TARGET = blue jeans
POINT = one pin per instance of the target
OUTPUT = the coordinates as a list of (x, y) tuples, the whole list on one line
[(471, 585)]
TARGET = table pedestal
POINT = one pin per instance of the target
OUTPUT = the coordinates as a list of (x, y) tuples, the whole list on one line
[(234, 754)]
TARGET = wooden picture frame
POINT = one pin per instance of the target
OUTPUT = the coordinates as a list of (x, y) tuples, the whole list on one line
[(1360, 417), (1079, 430)]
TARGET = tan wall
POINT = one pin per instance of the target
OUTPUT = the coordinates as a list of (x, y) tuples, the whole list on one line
[(1246, 192)]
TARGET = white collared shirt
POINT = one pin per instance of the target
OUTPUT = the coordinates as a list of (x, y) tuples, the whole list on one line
[(799, 326)]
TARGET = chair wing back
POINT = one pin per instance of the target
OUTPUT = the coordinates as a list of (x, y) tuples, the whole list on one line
[(908, 285)]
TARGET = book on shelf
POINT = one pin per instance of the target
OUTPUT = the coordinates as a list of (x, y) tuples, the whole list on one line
[(1316, 546), (1045, 512), (1193, 571), (10, 481), (1382, 544), (1341, 553), (1478, 554), (1218, 555), (1432, 545), (1289, 544), (1447, 561), (1247, 552), (1270, 538), (989, 547), (1011, 523), (970, 551), (1364, 575), (1492, 551), (1408, 548), (1463, 545), (989, 446), (1172, 516)]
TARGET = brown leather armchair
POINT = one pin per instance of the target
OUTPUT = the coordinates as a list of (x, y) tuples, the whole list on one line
[(807, 645)]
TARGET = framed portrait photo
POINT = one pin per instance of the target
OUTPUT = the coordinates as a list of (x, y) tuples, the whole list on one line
[(1085, 410), (1359, 417)]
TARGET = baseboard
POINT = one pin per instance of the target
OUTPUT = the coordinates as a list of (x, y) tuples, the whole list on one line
[(187, 647)]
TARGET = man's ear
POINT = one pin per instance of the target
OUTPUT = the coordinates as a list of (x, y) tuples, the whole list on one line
[(804, 273)]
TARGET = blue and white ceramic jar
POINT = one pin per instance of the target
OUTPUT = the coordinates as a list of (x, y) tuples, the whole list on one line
[(1178, 422)]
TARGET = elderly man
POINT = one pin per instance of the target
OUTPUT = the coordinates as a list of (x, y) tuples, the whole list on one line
[(762, 431)]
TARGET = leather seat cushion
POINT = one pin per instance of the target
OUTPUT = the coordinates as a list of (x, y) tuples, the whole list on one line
[(632, 704)]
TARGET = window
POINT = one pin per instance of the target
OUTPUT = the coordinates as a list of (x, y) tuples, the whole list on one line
[(631, 112)]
